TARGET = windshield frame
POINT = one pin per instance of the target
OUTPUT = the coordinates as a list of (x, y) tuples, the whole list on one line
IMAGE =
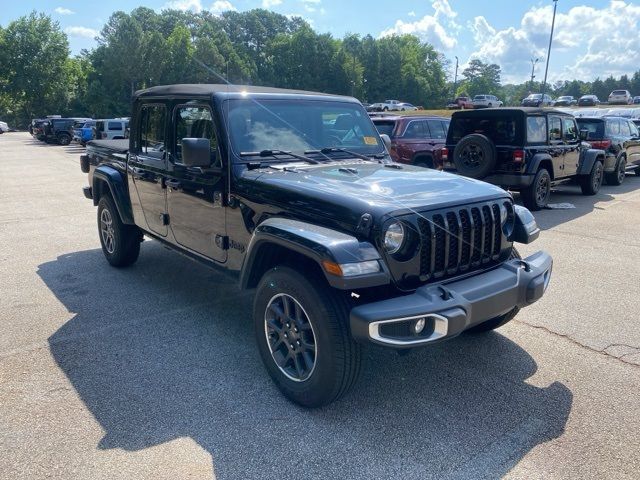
[(237, 157)]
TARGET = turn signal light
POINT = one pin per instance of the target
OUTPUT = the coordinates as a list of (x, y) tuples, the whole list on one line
[(445, 154)]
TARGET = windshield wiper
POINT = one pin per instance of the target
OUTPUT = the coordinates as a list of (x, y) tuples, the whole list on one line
[(277, 153), (370, 158)]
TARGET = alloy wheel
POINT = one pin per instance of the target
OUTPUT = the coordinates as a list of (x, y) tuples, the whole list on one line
[(542, 190), (290, 337), (597, 178), (106, 231)]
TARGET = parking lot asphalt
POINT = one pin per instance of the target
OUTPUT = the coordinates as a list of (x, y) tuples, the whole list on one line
[(152, 372)]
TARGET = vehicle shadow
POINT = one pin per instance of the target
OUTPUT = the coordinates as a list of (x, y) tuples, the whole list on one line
[(570, 193), (165, 349)]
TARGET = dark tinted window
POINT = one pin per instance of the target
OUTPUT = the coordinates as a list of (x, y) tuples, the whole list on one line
[(555, 129), (115, 126), (415, 129), (195, 122), (152, 129), (595, 128), (436, 129), (385, 127), (503, 130)]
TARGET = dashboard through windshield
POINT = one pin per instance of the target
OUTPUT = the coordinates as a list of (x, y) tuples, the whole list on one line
[(300, 126)]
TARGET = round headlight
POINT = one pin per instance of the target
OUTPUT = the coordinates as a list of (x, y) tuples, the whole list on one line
[(393, 237)]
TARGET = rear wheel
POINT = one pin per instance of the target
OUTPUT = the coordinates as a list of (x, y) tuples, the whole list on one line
[(590, 184), (617, 177), (536, 196), (301, 326), (120, 242), (499, 321)]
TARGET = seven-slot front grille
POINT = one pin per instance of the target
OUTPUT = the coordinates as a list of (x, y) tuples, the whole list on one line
[(458, 240)]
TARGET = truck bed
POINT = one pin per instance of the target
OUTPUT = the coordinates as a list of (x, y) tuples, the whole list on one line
[(108, 147)]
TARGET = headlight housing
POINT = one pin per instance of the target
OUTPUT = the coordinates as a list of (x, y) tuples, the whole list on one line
[(394, 237)]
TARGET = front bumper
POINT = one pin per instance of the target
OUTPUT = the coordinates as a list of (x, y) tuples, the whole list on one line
[(451, 308)]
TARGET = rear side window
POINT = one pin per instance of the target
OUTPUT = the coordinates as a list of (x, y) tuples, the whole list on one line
[(536, 130), (152, 129), (115, 126), (634, 129), (436, 129)]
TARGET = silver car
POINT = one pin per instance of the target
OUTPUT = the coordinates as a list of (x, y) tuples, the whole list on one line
[(622, 97)]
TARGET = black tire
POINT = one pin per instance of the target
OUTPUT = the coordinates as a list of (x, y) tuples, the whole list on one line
[(423, 161), (590, 184), (475, 156), (120, 242), (617, 176), (637, 171), (385, 109), (336, 367), (64, 139), (536, 196), (499, 321)]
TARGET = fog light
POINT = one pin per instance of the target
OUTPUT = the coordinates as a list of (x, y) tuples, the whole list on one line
[(418, 326)]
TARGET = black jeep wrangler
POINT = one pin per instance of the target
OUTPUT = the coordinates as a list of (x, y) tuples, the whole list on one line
[(294, 194), (523, 149), (58, 130)]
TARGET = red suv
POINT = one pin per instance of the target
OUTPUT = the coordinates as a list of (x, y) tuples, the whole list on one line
[(417, 140)]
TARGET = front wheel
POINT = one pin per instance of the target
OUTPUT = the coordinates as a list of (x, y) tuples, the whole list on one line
[(120, 242), (617, 177), (499, 321), (64, 139), (301, 326), (590, 184), (536, 196)]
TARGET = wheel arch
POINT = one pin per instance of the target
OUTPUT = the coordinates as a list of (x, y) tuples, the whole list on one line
[(541, 160), (589, 158), (108, 180)]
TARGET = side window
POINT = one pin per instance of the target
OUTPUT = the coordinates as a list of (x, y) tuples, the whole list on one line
[(414, 130), (115, 126), (569, 129), (435, 126), (536, 130), (555, 129), (153, 119), (195, 122), (612, 127), (634, 130), (624, 128)]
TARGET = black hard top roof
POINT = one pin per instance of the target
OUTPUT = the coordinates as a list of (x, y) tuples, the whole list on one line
[(229, 91), (502, 111)]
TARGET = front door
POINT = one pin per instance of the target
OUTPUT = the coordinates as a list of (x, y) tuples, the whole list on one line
[(556, 146), (571, 145), (195, 195), (147, 167)]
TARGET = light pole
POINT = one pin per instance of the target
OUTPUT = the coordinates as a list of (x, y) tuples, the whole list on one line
[(546, 70), (533, 67), (455, 79)]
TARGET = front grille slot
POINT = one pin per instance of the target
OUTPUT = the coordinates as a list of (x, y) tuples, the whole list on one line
[(455, 241)]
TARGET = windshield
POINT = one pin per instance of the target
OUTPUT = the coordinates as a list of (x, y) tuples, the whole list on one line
[(594, 127), (300, 125), (619, 92)]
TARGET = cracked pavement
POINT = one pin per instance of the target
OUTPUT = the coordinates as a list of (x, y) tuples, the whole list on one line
[(151, 372)]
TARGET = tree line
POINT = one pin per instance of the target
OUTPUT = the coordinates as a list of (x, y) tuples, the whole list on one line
[(145, 48)]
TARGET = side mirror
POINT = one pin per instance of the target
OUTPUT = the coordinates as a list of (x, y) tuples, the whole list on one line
[(386, 140), (584, 134), (196, 152)]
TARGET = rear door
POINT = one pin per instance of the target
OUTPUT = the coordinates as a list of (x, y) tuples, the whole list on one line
[(148, 165), (412, 138), (571, 142), (194, 195)]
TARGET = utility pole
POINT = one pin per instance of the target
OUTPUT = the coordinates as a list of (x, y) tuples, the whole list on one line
[(455, 79), (553, 22), (533, 67)]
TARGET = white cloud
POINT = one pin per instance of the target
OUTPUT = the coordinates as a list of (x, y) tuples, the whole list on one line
[(63, 11), (588, 42), (270, 3), (411, 13), (220, 6), (184, 5), (438, 29), (83, 32)]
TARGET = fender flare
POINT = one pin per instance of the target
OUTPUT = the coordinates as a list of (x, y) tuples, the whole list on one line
[(589, 157), (534, 163), (318, 244), (118, 189)]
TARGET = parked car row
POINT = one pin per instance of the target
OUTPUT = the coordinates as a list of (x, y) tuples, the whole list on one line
[(55, 129), (391, 106), (522, 149)]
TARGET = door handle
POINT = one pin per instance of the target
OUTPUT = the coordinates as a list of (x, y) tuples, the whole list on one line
[(174, 184)]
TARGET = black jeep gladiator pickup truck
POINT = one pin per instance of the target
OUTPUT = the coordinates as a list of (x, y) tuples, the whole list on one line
[(296, 195)]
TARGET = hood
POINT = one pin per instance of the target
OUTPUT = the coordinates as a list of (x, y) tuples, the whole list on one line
[(355, 188)]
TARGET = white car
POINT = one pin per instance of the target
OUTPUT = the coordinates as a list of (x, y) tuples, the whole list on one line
[(4, 127), (390, 106), (622, 97), (407, 107), (484, 101)]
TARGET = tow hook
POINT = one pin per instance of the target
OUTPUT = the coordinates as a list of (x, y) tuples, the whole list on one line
[(524, 265)]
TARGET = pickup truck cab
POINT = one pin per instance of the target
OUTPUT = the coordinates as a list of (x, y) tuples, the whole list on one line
[(294, 194)]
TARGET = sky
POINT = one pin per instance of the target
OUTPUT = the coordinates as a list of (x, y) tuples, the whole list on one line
[(591, 38)]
